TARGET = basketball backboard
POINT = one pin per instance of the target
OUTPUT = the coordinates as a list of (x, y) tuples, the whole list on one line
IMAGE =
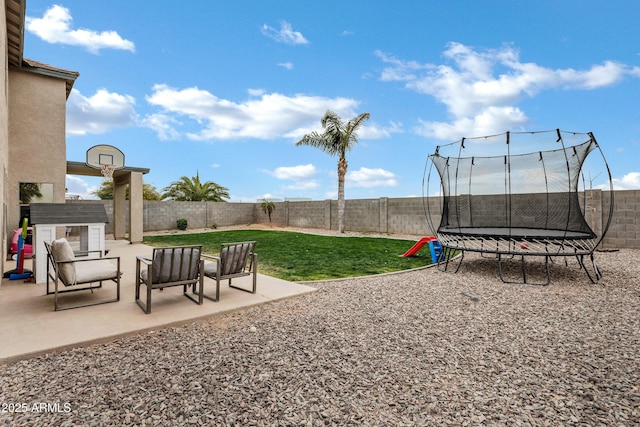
[(105, 157)]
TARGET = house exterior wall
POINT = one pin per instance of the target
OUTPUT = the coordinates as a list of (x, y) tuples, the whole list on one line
[(37, 146), (4, 129)]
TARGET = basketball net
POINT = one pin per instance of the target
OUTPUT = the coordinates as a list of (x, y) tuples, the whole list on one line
[(107, 170)]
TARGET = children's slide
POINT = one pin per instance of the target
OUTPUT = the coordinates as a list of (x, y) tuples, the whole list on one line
[(418, 245), (434, 247)]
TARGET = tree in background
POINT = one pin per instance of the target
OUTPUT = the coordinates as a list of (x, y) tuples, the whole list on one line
[(268, 207), (29, 191), (338, 138), (191, 189), (105, 192)]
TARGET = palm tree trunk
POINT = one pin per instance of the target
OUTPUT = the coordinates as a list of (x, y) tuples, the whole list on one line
[(342, 172)]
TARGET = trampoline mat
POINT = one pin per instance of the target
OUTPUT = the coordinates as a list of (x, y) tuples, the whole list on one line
[(516, 233)]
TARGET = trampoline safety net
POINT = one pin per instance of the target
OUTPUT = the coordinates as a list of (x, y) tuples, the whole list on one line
[(516, 192)]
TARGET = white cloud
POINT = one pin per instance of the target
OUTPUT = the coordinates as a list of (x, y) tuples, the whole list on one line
[(255, 92), (287, 65), (303, 185), (78, 186), (199, 115), (481, 88), (630, 181), (99, 113), (607, 74), (365, 177), (267, 116), (163, 124), (486, 122), (55, 27), (285, 34), (302, 175), (295, 172), (374, 131)]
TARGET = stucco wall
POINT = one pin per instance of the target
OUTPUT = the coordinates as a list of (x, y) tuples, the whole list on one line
[(37, 147), (4, 128)]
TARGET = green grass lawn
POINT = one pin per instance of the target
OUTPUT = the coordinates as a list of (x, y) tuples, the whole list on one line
[(299, 256)]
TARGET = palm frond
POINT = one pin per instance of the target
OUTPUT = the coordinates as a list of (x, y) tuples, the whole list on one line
[(192, 189)]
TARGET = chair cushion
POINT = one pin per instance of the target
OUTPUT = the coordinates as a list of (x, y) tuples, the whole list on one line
[(234, 258), (174, 264), (210, 268), (95, 270), (62, 251)]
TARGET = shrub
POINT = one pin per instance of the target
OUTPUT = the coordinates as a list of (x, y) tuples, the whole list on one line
[(182, 224)]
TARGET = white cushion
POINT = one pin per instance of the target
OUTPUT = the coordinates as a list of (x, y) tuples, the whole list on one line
[(95, 270), (80, 271), (62, 251)]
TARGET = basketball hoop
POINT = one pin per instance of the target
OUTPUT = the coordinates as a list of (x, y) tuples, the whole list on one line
[(107, 170), (106, 158)]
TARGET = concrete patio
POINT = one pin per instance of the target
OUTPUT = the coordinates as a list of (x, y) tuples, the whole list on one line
[(30, 326)]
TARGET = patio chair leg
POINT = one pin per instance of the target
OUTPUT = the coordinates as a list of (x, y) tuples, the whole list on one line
[(55, 297), (148, 299), (200, 293), (252, 290), (217, 297)]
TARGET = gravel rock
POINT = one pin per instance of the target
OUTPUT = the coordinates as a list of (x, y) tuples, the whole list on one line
[(417, 348)]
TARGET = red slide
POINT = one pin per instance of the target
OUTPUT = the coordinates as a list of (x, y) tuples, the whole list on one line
[(419, 244)]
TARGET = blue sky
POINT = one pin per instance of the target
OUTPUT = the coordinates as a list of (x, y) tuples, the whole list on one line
[(225, 89)]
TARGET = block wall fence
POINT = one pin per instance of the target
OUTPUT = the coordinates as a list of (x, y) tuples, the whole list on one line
[(384, 215)]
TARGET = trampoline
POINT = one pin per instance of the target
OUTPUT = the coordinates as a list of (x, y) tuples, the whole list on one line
[(520, 194)]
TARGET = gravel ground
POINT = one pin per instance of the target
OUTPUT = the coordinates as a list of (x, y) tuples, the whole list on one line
[(416, 348)]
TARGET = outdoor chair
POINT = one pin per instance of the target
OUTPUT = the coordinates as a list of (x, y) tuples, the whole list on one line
[(170, 266), (74, 269), (235, 260)]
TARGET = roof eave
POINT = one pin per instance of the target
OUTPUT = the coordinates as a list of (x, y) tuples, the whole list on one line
[(15, 16), (36, 67)]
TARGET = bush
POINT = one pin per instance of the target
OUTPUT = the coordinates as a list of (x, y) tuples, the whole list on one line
[(182, 224)]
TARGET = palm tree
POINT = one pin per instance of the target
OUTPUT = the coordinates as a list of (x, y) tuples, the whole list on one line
[(29, 191), (338, 138), (105, 191), (268, 207), (191, 189)]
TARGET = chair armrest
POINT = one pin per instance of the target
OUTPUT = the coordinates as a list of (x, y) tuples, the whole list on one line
[(78, 253), (88, 259), (144, 260), (212, 257)]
